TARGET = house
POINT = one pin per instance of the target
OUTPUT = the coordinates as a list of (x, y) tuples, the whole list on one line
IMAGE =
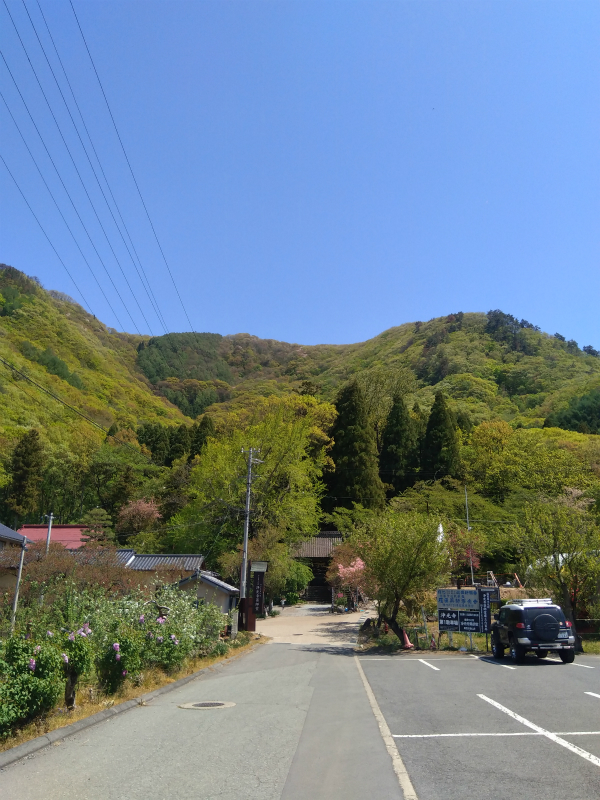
[(157, 562), (11, 543), (316, 552), (211, 589), (70, 536)]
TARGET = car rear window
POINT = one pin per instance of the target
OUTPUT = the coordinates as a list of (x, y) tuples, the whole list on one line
[(532, 613)]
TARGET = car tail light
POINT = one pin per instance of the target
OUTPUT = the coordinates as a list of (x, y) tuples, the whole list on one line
[(568, 624), (520, 625)]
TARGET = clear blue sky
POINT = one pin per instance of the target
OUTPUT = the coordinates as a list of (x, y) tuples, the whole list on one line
[(319, 171)]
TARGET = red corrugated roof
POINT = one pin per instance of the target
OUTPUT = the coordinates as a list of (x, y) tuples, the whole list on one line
[(70, 536)]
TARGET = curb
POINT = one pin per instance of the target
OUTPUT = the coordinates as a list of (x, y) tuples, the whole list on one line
[(28, 748)]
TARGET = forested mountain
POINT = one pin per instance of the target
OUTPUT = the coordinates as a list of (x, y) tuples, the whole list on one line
[(489, 366)]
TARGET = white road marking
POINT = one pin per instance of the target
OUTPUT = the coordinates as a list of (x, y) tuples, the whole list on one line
[(403, 778), (427, 664), (593, 694), (519, 733), (585, 666), (405, 659), (552, 736)]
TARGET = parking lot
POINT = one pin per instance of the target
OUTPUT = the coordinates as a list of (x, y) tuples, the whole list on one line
[(471, 726)]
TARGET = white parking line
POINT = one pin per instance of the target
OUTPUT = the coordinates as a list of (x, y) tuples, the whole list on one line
[(404, 780), (519, 733), (552, 736), (593, 694), (585, 666), (427, 664)]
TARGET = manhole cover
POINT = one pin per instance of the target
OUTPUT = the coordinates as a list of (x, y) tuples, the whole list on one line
[(206, 704)]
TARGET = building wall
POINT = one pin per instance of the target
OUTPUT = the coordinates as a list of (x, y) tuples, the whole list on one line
[(211, 594)]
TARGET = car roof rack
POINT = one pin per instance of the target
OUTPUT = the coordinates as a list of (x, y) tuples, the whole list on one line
[(530, 601)]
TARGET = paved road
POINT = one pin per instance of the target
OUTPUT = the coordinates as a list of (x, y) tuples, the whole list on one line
[(305, 726)]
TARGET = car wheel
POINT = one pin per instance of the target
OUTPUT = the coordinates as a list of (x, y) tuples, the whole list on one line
[(517, 653), (567, 656), (541, 653), (497, 649)]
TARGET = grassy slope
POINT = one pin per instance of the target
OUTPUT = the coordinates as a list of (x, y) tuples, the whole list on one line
[(114, 389)]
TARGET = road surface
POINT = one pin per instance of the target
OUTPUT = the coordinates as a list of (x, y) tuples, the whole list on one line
[(317, 720)]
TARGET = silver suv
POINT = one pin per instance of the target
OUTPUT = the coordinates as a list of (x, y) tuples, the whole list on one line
[(538, 625)]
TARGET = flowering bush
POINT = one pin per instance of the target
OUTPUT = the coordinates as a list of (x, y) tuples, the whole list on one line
[(30, 681)]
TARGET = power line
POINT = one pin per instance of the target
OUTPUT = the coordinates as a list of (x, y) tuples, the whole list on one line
[(70, 407), (129, 165), (65, 188), (153, 298), (44, 232), (76, 170), (58, 209), (93, 170)]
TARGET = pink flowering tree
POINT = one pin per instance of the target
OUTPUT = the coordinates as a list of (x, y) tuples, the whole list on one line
[(352, 575), (137, 516)]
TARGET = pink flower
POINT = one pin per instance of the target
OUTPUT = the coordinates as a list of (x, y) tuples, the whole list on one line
[(81, 632), (150, 635), (32, 664), (159, 638), (161, 620), (71, 637), (118, 656), (142, 619), (124, 672), (49, 633), (37, 649), (65, 658), (116, 646)]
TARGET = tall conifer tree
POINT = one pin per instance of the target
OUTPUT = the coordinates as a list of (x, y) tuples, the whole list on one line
[(440, 454), (398, 445), (26, 467), (356, 477), (199, 433)]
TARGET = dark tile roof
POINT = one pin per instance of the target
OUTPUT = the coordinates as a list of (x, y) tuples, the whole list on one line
[(150, 563), (320, 546), (8, 535), (212, 580), (124, 556)]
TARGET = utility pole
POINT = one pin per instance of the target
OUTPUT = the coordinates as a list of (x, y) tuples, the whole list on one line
[(49, 517), (244, 571), (468, 529), (16, 597)]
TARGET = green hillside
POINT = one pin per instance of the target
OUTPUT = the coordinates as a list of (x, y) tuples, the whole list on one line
[(77, 358), (491, 366)]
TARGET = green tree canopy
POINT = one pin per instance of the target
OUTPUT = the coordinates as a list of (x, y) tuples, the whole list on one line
[(26, 470), (354, 453), (440, 454), (398, 448)]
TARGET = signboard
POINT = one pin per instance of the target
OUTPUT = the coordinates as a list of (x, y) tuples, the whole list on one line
[(458, 599), (487, 594), (258, 593), (466, 610)]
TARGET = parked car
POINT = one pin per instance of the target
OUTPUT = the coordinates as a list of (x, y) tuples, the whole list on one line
[(537, 625)]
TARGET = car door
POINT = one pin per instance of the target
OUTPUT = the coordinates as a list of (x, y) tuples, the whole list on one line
[(502, 625)]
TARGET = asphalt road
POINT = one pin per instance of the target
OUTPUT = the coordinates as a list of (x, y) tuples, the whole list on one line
[(305, 725)]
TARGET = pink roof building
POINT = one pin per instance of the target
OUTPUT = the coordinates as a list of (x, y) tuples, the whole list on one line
[(70, 536)]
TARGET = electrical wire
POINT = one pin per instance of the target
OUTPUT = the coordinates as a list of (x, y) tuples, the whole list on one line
[(45, 234), (69, 406), (76, 169), (130, 167), (65, 188), (93, 171), (149, 287), (59, 211)]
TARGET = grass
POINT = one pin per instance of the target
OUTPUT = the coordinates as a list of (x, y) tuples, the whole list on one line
[(90, 700)]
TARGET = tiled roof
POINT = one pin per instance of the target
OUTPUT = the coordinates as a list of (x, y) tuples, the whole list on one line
[(206, 577), (8, 535), (320, 546), (125, 556), (150, 563)]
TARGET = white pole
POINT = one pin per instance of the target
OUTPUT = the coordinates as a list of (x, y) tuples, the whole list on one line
[(16, 597), (50, 518)]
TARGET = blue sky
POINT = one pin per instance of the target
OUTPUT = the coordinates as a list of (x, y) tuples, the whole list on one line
[(315, 171)]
